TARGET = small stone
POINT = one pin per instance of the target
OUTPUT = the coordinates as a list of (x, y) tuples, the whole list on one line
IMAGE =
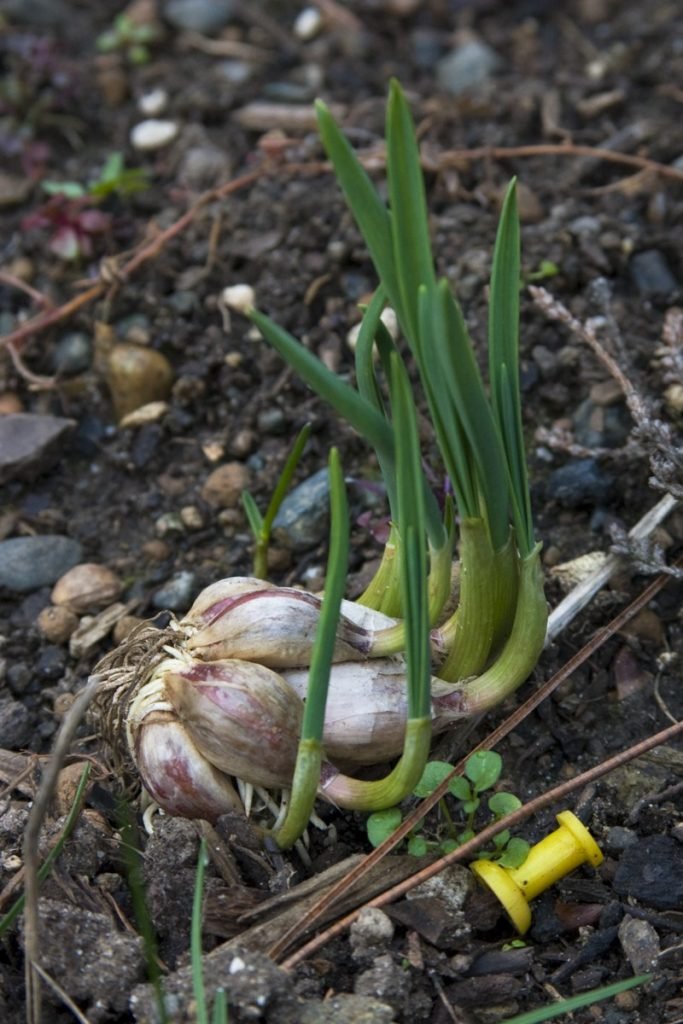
[(272, 421), (346, 1008), (204, 167), (192, 517), (156, 550), (467, 67), (451, 887), (651, 274), (153, 103), (123, 627), (177, 593), (86, 587), (223, 488), (169, 523), (15, 724), (27, 563), (239, 297), (640, 943), (308, 23), (618, 838), (57, 624), (14, 189), (137, 376), (152, 134), (205, 16), (302, 521), (385, 980), (372, 931), (73, 354), (579, 482), (597, 426), (673, 396), (30, 444)]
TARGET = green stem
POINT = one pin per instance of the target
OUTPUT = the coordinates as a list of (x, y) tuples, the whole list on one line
[(468, 634), (359, 795), (304, 791), (383, 593), (522, 650)]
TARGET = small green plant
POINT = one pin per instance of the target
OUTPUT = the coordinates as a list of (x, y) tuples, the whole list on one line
[(114, 178), (261, 525), (220, 1004), (546, 269), (482, 771), (125, 37)]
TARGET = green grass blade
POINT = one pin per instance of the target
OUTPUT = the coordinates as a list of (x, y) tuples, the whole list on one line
[(364, 202), (220, 1007), (254, 517), (504, 361), (364, 356), (347, 402), (577, 1002), (196, 938), (285, 479), (409, 216), (454, 359)]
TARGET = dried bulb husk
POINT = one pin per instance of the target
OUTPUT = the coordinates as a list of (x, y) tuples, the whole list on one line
[(172, 770), (366, 710), (274, 627), (242, 716)]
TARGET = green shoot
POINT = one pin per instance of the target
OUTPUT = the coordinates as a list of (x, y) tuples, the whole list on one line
[(196, 938), (309, 754), (567, 1006), (114, 177), (127, 37), (261, 525)]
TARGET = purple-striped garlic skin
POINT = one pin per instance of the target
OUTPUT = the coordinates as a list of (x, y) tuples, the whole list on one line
[(274, 627), (177, 776), (366, 709), (243, 717), (207, 604)]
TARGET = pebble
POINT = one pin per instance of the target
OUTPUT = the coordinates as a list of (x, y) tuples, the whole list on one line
[(237, 72), (166, 524), (640, 943), (72, 354), (618, 838), (223, 487), (385, 980), (308, 23), (651, 871), (153, 103), (346, 1008), (30, 444), (153, 134), (272, 421), (27, 563), (15, 724), (204, 167), (372, 931), (302, 521), (137, 375), (579, 482), (239, 297), (14, 189), (177, 593), (205, 16), (466, 67), (57, 624), (145, 414), (86, 587), (651, 274)]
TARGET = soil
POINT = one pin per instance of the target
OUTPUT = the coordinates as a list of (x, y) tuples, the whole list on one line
[(592, 74)]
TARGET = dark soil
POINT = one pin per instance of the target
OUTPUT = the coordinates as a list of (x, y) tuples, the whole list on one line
[(602, 74)]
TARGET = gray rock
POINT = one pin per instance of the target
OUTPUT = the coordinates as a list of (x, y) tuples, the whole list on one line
[(385, 981), (650, 273), (466, 67), (15, 724), (301, 523), (272, 421), (204, 16), (177, 593), (640, 943), (619, 839), (597, 426), (73, 354), (30, 443), (579, 482), (370, 933), (204, 167), (27, 563)]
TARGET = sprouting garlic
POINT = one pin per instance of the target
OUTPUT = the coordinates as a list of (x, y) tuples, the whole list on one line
[(274, 627), (244, 718), (207, 603)]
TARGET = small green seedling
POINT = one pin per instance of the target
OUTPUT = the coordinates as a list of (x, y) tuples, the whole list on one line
[(545, 270), (482, 771), (220, 1005), (261, 525), (114, 177), (132, 40)]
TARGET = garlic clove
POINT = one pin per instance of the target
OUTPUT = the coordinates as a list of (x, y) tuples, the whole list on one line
[(175, 774), (275, 627), (244, 718), (207, 604)]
